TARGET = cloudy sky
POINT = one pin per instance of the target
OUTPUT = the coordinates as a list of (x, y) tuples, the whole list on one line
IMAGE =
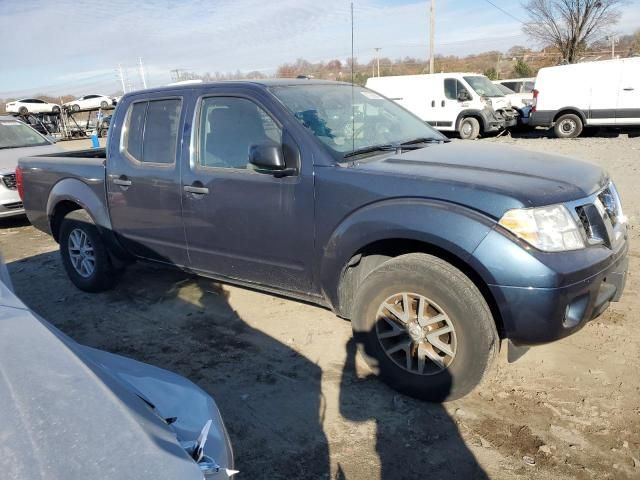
[(74, 46)]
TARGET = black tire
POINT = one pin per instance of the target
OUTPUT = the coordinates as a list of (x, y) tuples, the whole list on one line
[(469, 128), (568, 125), (474, 338), (75, 108), (104, 276), (104, 104), (55, 110), (23, 110)]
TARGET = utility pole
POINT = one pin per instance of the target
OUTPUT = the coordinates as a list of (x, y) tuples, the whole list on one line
[(378, 58), (121, 76), (613, 47), (141, 67), (432, 35)]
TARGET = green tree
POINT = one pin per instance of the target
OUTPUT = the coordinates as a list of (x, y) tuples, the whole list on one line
[(522, 69), (491, 73)]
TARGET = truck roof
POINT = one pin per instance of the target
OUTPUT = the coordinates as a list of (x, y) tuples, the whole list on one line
[(249, 83)]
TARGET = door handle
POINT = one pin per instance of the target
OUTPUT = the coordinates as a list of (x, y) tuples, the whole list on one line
[(442, 104), (629, 89), (198, 190), (122, 180)]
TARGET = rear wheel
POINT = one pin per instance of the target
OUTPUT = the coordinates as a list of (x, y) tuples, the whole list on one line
[(568, 126), (55, 110), (424, 328), (84, 254), (469, 128), (23, 110)]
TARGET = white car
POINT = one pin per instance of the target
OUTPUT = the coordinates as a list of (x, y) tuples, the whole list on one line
[(519, 85), (31, 105), (17, 140), (518, 100), (89, 102)]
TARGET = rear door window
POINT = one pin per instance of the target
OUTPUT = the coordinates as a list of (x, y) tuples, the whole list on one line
[(151, 131)]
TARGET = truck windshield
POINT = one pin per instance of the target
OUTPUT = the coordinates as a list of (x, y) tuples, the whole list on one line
[(15, 134), (483, 86), (354, 119)]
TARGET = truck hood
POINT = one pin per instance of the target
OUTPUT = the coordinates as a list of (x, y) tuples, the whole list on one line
[(9, 156), (489, 178)]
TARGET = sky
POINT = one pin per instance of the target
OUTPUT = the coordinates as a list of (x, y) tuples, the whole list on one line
[(75, 46)]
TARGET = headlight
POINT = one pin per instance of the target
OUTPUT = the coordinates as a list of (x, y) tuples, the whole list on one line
[(550, 229)]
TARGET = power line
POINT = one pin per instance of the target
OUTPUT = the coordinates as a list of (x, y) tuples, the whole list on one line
[(504, 11)]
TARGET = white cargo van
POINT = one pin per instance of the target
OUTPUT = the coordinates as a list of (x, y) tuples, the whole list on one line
[(570, 97), (467, 103)]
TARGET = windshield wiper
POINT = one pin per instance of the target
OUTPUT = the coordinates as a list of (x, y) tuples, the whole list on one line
[(389, 147), (396, 147), (424, 140)]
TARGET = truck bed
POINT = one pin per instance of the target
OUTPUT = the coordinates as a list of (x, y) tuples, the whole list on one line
[(42, 174)]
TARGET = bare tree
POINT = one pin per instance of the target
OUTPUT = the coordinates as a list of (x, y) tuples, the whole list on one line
[(570, 25)]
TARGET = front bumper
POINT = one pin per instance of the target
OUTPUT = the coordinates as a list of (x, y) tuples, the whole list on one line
[(10, 203), (495, 121), (540, 315)]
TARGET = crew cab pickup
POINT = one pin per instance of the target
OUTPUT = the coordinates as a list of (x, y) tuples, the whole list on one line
[(330, 193)]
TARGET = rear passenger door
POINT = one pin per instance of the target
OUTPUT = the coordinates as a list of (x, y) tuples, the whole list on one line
[(143, 178), (242, 224)]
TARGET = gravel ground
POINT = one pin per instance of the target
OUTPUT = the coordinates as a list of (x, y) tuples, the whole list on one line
[(300, 405)]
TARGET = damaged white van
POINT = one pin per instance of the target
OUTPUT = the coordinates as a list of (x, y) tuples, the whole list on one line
[(467, 103)]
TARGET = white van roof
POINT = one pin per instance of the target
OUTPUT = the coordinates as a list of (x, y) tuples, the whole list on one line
[(589, 65), (430, 75)]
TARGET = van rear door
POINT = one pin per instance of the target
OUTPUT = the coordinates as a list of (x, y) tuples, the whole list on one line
[(628, 109)]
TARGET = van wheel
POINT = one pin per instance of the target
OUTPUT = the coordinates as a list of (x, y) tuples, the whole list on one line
[(469, 128), (568, 126), (84, 254), (424, 328)]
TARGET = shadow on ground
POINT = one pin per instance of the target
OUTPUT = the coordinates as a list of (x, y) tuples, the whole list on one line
[(269, 393)]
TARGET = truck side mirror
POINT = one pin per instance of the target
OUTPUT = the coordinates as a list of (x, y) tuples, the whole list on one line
[(269, 158)]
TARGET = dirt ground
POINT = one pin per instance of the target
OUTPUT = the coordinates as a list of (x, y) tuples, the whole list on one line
[(300, 405)]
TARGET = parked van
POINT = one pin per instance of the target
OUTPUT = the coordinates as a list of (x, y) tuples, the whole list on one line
[(570, 97), (467, 103)]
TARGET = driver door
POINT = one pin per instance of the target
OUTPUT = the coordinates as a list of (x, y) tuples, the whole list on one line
[(239, 223)]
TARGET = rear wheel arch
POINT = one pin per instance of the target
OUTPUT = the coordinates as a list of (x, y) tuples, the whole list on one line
[(373, 255), (61, 210)]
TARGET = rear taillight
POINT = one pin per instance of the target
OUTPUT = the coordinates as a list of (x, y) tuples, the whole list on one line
[(535, 100), (19, 183)]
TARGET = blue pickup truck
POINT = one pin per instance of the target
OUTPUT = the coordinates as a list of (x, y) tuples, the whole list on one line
[(332, 194)]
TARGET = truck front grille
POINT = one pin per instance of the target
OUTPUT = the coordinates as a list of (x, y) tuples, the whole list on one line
[(602, 219), (9, 180)]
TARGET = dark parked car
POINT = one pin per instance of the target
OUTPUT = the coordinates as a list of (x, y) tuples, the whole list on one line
[(330, 193), (74, 413)]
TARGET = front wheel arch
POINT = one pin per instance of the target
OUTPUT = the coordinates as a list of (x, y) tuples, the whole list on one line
[(372, 256)]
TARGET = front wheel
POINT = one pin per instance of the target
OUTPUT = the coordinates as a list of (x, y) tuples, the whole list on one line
[(75, 108), (103, 104), (424, 328), (469, 128), (568, 126), (84, 254)]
